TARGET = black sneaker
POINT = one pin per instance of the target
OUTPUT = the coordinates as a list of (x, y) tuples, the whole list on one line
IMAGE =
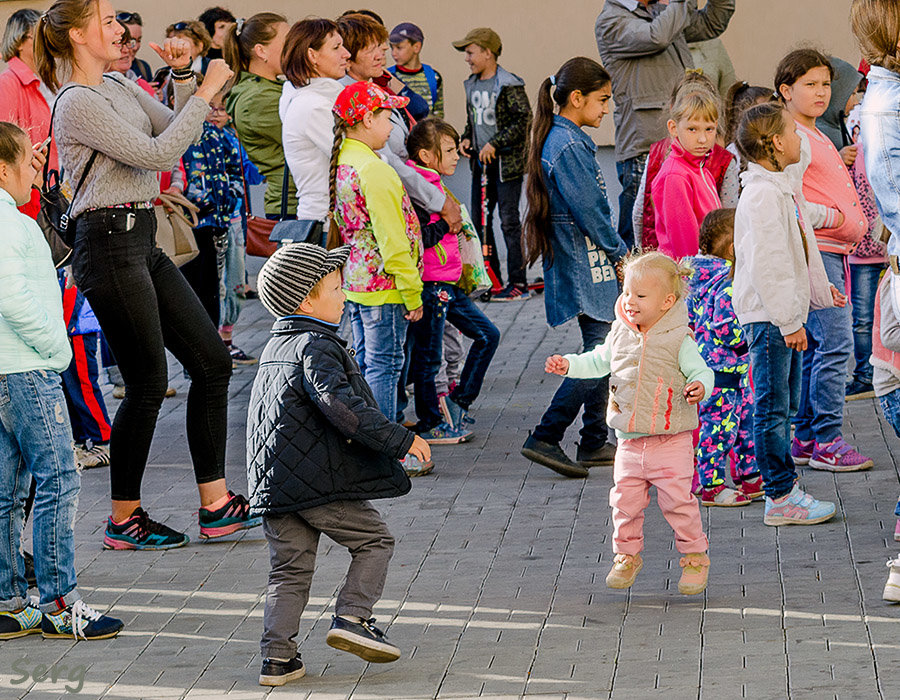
[(19, 623), (139, 532), (857, 390), (553, 457), (79, 621), (601, 457), (240, 357), (275, 672), (363, 639), (30, 578), (233, 516)]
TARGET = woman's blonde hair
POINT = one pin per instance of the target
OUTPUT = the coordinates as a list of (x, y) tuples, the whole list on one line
[(876, 26), (673, 274)]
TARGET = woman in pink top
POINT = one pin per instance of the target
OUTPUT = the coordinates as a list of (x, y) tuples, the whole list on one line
[(684, 191), (803, 82)]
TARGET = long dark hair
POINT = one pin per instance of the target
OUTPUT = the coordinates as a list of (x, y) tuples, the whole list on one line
[(586, 76)]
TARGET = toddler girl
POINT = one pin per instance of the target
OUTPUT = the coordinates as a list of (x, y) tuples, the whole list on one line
[(778, 275), (726, 425), (657, 377), (433, 148)]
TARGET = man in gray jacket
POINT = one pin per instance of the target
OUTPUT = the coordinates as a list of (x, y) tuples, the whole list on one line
[(643, 45)]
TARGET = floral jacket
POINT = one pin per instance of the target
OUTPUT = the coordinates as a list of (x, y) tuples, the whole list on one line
[(376, 218), (214, 176)]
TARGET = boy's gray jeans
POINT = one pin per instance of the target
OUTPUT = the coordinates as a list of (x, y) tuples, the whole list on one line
[(293, 540)]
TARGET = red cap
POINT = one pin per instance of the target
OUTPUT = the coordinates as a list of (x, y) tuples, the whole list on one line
[(356, 100)]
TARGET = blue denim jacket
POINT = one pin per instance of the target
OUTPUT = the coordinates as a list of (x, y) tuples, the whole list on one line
[(880, 133), (581, 278)]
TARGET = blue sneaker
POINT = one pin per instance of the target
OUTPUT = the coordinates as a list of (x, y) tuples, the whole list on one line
[(79, 621), (20, 623), (512, 292), (454, 414), (233, 516), (444, 434), (363, 639), (139, 532), (797, 508)]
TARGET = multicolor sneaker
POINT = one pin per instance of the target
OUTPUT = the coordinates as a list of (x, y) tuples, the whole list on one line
[(802, 450), (362, 638), (79, 621), (454, 414), (413, 467), (892, 587), (752, 488), (694, 573), (838, 456), (512, 292), (139, 532), (20, 623), (233, 516), (721, 495), (445, 434), (275, 672), (624, 570), (797, 508)]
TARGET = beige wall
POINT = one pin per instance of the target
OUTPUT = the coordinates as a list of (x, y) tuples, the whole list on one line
[(538, 35)]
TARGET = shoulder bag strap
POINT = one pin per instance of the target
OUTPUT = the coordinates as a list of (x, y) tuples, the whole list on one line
[(284, 191)]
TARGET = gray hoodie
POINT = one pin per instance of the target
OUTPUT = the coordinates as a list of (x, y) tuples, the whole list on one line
[(846, 80)]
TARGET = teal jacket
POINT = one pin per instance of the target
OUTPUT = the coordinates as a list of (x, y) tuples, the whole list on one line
[(32, 331)]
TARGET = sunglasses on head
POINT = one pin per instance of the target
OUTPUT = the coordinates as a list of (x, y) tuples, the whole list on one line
[(129, 18), (180, 26)]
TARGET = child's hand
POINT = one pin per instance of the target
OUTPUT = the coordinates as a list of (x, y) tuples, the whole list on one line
[(488, 153), (694, 392), (464, 147), (840, 300), (848, 155), (556, 364), (420, 449), (796, 340), (414, 315)]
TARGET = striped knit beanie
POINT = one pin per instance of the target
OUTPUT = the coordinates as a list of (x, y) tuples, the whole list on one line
[(287, 277)]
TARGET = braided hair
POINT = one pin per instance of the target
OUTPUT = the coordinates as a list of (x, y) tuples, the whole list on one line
[(340, 132), (756, 130)]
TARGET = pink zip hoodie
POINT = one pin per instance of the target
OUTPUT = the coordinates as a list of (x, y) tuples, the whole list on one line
[(683, 193), (443, 262)]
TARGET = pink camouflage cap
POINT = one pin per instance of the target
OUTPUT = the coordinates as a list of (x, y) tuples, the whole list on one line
[(360, 98)]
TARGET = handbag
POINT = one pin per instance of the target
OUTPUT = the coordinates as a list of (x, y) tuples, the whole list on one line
[(175, 223), (259, 228)]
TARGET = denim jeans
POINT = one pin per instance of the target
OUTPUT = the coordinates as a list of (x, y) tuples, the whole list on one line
[(890, 407), (379, 333), (145, 305), (36, 441), (572, 394), (830, 334), (630, 172), (506, 196), (863, 286), (442, 303), (777, 379), (234, 275)]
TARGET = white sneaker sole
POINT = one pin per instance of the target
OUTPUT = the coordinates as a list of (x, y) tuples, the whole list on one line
[(891, 593), (826, 467), (368, 650), (275, 681), (776, 520)]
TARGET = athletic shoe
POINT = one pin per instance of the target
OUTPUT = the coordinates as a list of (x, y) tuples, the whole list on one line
[(89, 457), (797, 508), (752, 488), (119, 391), (624, 570), (139, 532), (857, 390), (233, 516), (363, 639), (896, 532), (454, 414), (242, 358), (512, 292), (553, 457), (892, 587), (79, 621), (838, 456), (723, 496), (694, 573), (21, 623), (275, 672), (801, 451), (413, 467), (444, 434), (30, 577), (601, 457)]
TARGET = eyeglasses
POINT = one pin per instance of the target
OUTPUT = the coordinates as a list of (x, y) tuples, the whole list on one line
[(129, 44), (129, 18), (217, 110)]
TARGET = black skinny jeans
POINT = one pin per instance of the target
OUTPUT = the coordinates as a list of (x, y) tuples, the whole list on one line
[(202, 273), (144, 305)]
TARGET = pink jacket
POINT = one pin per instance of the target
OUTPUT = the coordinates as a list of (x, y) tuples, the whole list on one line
[(22, 103), (683, 192), (443, 262)]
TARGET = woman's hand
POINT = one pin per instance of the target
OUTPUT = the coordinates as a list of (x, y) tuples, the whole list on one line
[(840, 300), (556, 364), (175, 51), (414, 315), (796, 340), (694, 392), (452, 214)]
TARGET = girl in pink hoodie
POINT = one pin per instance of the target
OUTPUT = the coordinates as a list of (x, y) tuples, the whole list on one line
[(684, 191)]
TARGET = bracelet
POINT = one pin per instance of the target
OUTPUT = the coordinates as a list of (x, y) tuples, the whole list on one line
[(182, 74)]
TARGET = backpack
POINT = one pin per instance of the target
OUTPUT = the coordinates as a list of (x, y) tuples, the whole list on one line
[(430, 76)]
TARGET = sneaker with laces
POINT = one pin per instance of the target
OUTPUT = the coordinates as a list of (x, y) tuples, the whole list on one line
[(838, 456), (801, 451), (553, 457), (22, 622), (445, 434), (797, 508), (414, 467), (92, 456), (624, 570), (238, 356), (694, 573), (140, 532), (362, 638), (512, 292), (233, 516), (79, 621), (275, 672), (724, 496), (892, 586), (752, 488)]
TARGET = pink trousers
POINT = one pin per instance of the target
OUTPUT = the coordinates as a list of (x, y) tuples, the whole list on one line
[(666, 462)]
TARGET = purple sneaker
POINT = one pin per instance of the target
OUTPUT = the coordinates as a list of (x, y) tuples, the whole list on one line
[(838, 456), (802, 451)]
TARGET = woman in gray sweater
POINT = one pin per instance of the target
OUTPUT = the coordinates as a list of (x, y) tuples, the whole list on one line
[(121, 136)]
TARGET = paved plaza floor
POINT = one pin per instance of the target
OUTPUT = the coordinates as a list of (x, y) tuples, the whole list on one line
[(497, 586)]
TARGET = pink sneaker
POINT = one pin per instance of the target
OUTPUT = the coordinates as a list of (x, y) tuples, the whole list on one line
[(802, 451), (752, 488), (897, 531), (838, 456)]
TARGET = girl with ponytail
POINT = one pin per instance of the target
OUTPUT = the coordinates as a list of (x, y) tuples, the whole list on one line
[(570, 228)]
